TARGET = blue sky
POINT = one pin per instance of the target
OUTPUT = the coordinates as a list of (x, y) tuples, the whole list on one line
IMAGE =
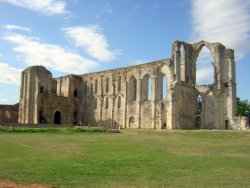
[(79, 36)]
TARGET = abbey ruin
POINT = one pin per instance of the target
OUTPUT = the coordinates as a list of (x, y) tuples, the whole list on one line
[(157, 95)]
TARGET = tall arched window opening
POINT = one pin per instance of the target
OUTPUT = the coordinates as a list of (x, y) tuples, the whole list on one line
[(96, 86), (199, 104), (107, 103), (132, 89), (164, 86), (146, 88), (205, 73), (91, 89), (107, 85), (119, 102), (119, 83)]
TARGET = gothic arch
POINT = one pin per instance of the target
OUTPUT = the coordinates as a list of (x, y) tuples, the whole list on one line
[(217, 51), (146, 87), (205, 71), (132, 89), (199, 46)]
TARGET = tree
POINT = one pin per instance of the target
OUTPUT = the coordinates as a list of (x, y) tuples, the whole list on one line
[(243, 107)]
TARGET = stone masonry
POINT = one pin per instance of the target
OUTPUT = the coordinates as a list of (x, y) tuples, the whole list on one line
[(157, 95)]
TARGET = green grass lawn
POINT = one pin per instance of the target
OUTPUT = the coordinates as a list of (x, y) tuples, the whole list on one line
[(130, 159)]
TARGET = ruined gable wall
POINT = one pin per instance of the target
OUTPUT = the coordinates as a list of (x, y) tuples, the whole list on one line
[(221, 95)]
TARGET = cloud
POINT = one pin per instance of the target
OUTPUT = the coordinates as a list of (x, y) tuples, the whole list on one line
[(9, 74), (32, 51), (47, 7), (4, 100), (205, 75), (16, 28), (205, 69), (92, 41), (223, 21)]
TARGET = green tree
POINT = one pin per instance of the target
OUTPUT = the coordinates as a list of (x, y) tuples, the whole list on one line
[(243, 107)]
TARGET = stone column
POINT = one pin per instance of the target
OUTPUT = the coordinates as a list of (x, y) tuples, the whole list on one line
[(125, 103), (139, 90), (113, 96), (219, 52), (177, 59), (231, 87), (153, 100), (171, 110), (101, 98)]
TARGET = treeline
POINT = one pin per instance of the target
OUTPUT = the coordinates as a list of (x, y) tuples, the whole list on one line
[(243, 107)]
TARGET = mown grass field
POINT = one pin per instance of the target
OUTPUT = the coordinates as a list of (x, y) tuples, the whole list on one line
[(133, 158)]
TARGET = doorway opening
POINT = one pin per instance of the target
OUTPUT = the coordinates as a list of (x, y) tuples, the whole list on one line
[(57, 118), (131, 122)]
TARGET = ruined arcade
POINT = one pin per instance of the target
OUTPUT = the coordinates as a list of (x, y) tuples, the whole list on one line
[(157, 95)]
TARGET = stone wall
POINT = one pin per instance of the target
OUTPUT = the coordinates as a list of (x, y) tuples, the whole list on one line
[(157, 95), (8, 114)]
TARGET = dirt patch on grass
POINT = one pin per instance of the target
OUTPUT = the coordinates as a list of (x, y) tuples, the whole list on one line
[(10, 184)]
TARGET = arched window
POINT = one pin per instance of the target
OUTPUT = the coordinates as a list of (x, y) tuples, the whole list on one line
[(146, 88), (95, 103), (107, 85), (91, 89), (96, 86), (183, 56), (107, 103), (132, 89), (149, 91), (85, 88), (119, 83), (164, 86), (199, 104), (119, 102), (205, 74)]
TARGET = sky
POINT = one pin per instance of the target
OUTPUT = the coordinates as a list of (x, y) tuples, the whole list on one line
[(80, 36)]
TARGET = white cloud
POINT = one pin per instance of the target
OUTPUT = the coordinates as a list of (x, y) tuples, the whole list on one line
[(48, 7), (9, 74), (225, 21), (205, 69), (205, 75), (16, 28), (34, 52), (92, 41), (4, 100)]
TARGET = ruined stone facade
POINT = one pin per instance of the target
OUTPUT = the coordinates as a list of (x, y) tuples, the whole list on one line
[(158, 95)]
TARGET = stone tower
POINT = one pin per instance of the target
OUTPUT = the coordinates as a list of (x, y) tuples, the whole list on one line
[(36, 80)]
